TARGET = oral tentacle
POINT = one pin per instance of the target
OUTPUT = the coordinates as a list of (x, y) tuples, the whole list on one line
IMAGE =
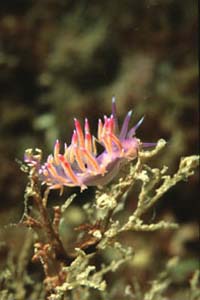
[(132, 131), (125, 125)]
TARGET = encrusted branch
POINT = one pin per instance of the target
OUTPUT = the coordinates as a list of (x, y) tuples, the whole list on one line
[(147, 198)]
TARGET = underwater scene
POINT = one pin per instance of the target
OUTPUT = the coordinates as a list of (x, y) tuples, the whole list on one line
[(99, 150)]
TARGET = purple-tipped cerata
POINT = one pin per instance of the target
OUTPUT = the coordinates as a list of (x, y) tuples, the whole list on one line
[(80, 165)]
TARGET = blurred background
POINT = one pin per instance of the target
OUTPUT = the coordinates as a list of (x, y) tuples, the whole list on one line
[(62, 59)]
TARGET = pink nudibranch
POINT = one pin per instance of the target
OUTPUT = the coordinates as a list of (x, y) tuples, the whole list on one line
[(80, 165)]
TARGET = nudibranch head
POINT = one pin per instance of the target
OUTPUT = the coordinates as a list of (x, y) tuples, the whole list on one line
[(80, 164)]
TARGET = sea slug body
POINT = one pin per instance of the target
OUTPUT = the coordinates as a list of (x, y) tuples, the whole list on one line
[(80, 165)]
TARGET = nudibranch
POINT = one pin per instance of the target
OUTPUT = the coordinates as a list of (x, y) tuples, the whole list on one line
[(80, 165)]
